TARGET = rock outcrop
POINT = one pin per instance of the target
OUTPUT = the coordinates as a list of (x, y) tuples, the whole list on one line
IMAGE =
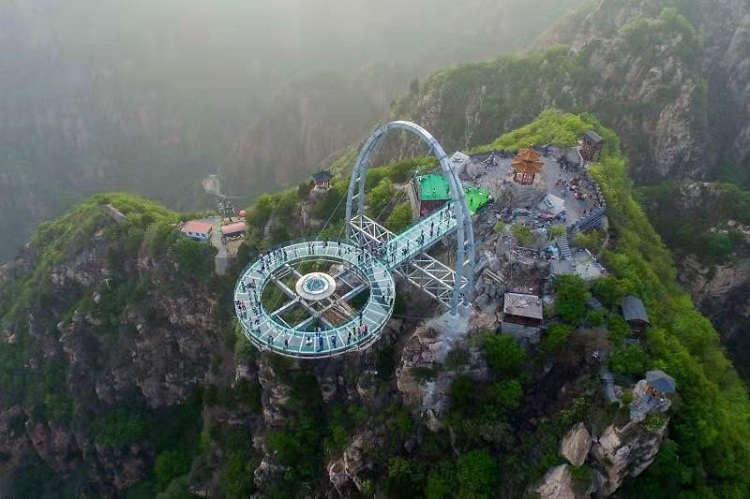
[(618, 454), (576, 444), (622, 455), (557, 484)]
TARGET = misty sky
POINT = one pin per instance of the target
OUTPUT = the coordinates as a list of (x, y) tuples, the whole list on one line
[(150, 96)]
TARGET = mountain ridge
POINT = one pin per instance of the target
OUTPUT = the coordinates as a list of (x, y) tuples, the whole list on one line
[(120, 327)]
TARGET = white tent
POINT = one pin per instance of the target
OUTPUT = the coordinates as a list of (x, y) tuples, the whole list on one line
[(552, 204)]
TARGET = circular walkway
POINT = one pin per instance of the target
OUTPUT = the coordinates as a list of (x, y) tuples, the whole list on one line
[(263, 328)]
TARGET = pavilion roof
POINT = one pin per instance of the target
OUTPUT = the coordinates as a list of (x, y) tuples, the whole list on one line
[(527, 161), (235, 228), (593, 136), (523, 305), (322, 176), (633, 309), (197, 226)]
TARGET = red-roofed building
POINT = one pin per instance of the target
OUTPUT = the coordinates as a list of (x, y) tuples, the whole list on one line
[(234, 230), (197, 229)]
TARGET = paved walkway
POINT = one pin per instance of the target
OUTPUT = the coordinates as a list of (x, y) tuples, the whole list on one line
[(395, 249)]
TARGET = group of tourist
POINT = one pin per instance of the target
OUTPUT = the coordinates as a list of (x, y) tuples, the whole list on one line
[(319, 338)]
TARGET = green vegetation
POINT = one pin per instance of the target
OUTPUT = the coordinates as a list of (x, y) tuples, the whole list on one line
[(570, 298), (524, 235), (504, 354), (121, 427), (486, 449), (711, 429), (557, 335), (400, 218), (700, 225)]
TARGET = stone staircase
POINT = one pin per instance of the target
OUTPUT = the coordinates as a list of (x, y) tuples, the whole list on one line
[(562, 243)]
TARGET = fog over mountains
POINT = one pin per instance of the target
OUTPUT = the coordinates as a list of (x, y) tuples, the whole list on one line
[(151, 96)]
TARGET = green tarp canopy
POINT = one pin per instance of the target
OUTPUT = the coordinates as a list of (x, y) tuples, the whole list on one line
[(476, 197), (433, 187)]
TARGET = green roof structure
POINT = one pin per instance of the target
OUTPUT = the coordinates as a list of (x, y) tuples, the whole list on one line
[(433, 187), (476, 198)]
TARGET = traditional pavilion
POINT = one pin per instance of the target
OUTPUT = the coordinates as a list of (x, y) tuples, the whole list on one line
[(526, 164), (322, 179), (591, 146)]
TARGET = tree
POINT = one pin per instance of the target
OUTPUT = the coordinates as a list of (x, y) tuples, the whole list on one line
[(380, 197), (462, 394), (557, 230), (523, 234), (618, 328), (503, 353), (570, 298), (118, 428), (557, 335), (304, 188), (404, 479), (593, 241), (629, 359), (476, 474), (169, 465), (400, 218), (609, 290), (506, 395), (194, 258)]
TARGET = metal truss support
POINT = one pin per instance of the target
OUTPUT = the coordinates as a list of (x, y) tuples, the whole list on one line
[(358, 232)]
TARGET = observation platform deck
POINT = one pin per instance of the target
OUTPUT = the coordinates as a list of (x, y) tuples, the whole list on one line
[(393, 249), (267, 330)]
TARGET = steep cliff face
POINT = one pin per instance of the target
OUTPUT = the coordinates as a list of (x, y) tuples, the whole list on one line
[(707, 226), (723, 29), (122, 372), (100, 348), (668, 81)]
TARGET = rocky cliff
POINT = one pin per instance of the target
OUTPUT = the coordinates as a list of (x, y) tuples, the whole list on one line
[(667, 80), (122, 371), (707, 225)]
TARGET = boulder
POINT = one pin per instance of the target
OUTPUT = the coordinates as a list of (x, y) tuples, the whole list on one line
[(576, 444), (624, 453), (557, 484)]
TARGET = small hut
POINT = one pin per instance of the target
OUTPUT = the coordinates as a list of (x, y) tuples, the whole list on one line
[(634, 314), (591, 146), (322, 179), (526, 164), (200, 230), (523, 309), (234, 231)]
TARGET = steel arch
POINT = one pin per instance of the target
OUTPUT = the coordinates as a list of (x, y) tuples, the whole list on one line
[(465, 231)]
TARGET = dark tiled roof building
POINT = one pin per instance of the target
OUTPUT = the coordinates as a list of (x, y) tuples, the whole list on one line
[(634, 314)]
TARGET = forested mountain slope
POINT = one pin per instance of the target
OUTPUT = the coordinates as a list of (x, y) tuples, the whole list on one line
[(669, 76), (122, 372)]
